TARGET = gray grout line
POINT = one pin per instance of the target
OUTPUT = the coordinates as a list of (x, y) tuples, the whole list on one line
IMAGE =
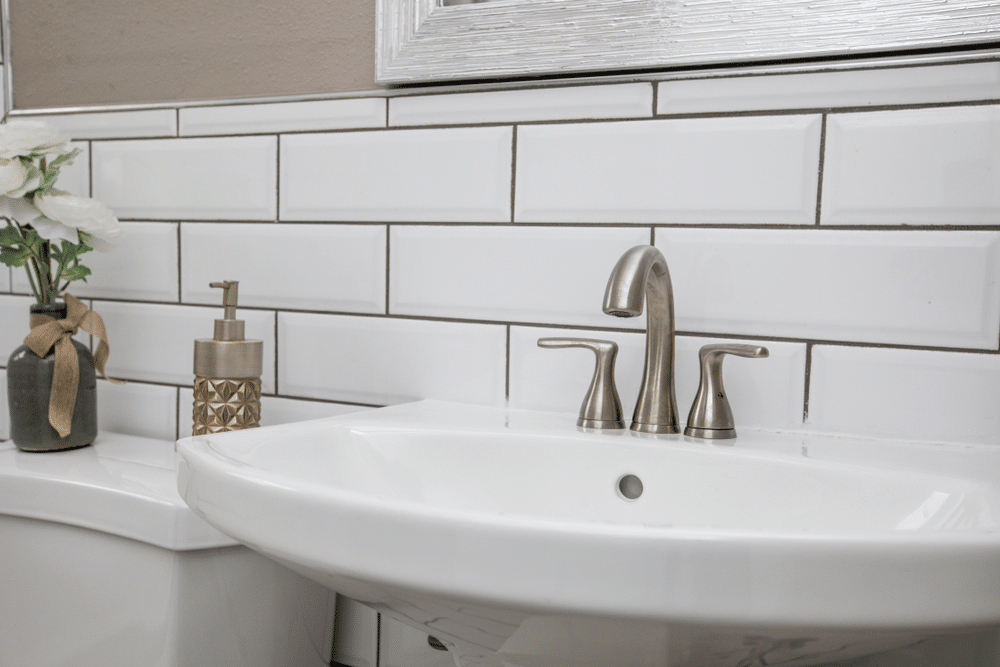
[(822, 163), (506, 390), (805, 111), (808, 380), (598, 225), (388, 249)]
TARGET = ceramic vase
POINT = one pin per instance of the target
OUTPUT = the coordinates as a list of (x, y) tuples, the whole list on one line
[(29, 385)]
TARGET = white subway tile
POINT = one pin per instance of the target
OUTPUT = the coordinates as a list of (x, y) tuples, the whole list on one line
[(513, 274), (142, 266), (273, 410), (4, 408), (627, 100), (75, 177), (283, 117), (311, 267), (897, 287), (913, 167), (697, 170), (376, 360), (276, 410), (13, 322), (185, 411), (763, 392), (226, 178), (155, 342), (814, 90), (439, 175), (5, 274), (145, 410), (355, 634), (403, 646), (912, 394), (113, 124)]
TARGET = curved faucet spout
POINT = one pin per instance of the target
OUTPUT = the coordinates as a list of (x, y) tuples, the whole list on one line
[(641, 274)]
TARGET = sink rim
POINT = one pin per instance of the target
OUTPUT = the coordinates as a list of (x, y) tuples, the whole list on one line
[(404, 552)]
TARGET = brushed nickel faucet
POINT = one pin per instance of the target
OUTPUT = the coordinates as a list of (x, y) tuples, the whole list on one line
[(641, 274)]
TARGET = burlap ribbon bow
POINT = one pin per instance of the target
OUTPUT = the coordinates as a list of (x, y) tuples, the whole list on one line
[(47, 332)]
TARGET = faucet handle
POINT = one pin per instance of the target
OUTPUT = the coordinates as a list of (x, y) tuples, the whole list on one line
[(710, 416), (601, 409)]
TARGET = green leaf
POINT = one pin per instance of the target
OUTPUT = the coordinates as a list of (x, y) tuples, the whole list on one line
[(65, 158), (9, 236), (77, 272), (14, 258)]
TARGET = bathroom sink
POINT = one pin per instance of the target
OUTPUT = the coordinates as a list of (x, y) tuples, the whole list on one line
[(517, 539)]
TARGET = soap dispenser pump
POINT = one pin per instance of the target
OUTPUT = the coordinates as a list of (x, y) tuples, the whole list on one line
[(227, 369)]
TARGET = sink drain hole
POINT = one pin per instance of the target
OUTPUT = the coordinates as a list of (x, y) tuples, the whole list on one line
[(630, 487)]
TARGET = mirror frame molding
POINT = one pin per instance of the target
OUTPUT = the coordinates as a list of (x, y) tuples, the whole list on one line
[(420, 41)]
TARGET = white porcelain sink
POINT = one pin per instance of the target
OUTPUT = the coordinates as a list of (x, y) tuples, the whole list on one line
[(505, 534)]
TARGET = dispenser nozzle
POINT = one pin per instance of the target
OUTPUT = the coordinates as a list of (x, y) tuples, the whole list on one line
[(230, 293), (228, 328)]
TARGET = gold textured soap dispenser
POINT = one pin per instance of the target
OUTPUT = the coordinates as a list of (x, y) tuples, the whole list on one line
[(227, 372)]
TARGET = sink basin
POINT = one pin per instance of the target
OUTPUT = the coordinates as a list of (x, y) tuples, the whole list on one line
[(517, 539)]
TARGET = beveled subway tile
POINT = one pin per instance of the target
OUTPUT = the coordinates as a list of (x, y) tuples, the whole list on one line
[(439, 175), (220, 178), (283, 117), (814, 90), (273, 410), (277, 410), (142, 266), (13, 323), (913, 167), (378, 361), (4, 412), (907, 288), (310, 267), (913, 394), (5, 274), (145, 410), (155, 343), (764, 393), (510, 273), (113, 124), (627, 100), (75, 178), (741, 170)]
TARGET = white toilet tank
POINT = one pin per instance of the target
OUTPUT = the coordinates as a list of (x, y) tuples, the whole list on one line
[(103, 565)]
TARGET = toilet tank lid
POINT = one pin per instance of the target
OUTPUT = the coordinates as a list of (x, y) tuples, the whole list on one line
[(122, 484)]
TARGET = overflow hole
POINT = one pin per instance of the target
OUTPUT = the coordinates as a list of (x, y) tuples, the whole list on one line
[(630, 487)]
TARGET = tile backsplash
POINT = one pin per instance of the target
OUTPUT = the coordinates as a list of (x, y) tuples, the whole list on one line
[(415, 245)]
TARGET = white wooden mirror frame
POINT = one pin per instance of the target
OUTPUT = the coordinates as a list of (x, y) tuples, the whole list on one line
[(420, 41)]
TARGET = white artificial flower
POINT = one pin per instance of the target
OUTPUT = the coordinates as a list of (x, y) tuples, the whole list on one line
[(13, 170), (21, 209), (79, 214), (20, 138), (12, 176)]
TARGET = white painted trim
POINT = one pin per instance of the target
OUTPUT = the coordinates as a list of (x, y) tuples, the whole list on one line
[(419, 41)]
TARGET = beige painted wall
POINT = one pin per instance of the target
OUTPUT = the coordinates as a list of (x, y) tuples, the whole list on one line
[(94, 52)]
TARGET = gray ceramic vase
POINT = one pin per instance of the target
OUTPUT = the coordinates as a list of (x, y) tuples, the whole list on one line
[(29, 384)]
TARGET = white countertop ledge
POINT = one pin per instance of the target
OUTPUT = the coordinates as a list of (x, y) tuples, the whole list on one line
[(122, 484)]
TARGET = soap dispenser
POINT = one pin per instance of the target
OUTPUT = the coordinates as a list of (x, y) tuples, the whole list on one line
[(227, 370)]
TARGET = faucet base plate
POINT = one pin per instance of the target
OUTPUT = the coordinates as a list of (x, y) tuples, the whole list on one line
[(711, 433)]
